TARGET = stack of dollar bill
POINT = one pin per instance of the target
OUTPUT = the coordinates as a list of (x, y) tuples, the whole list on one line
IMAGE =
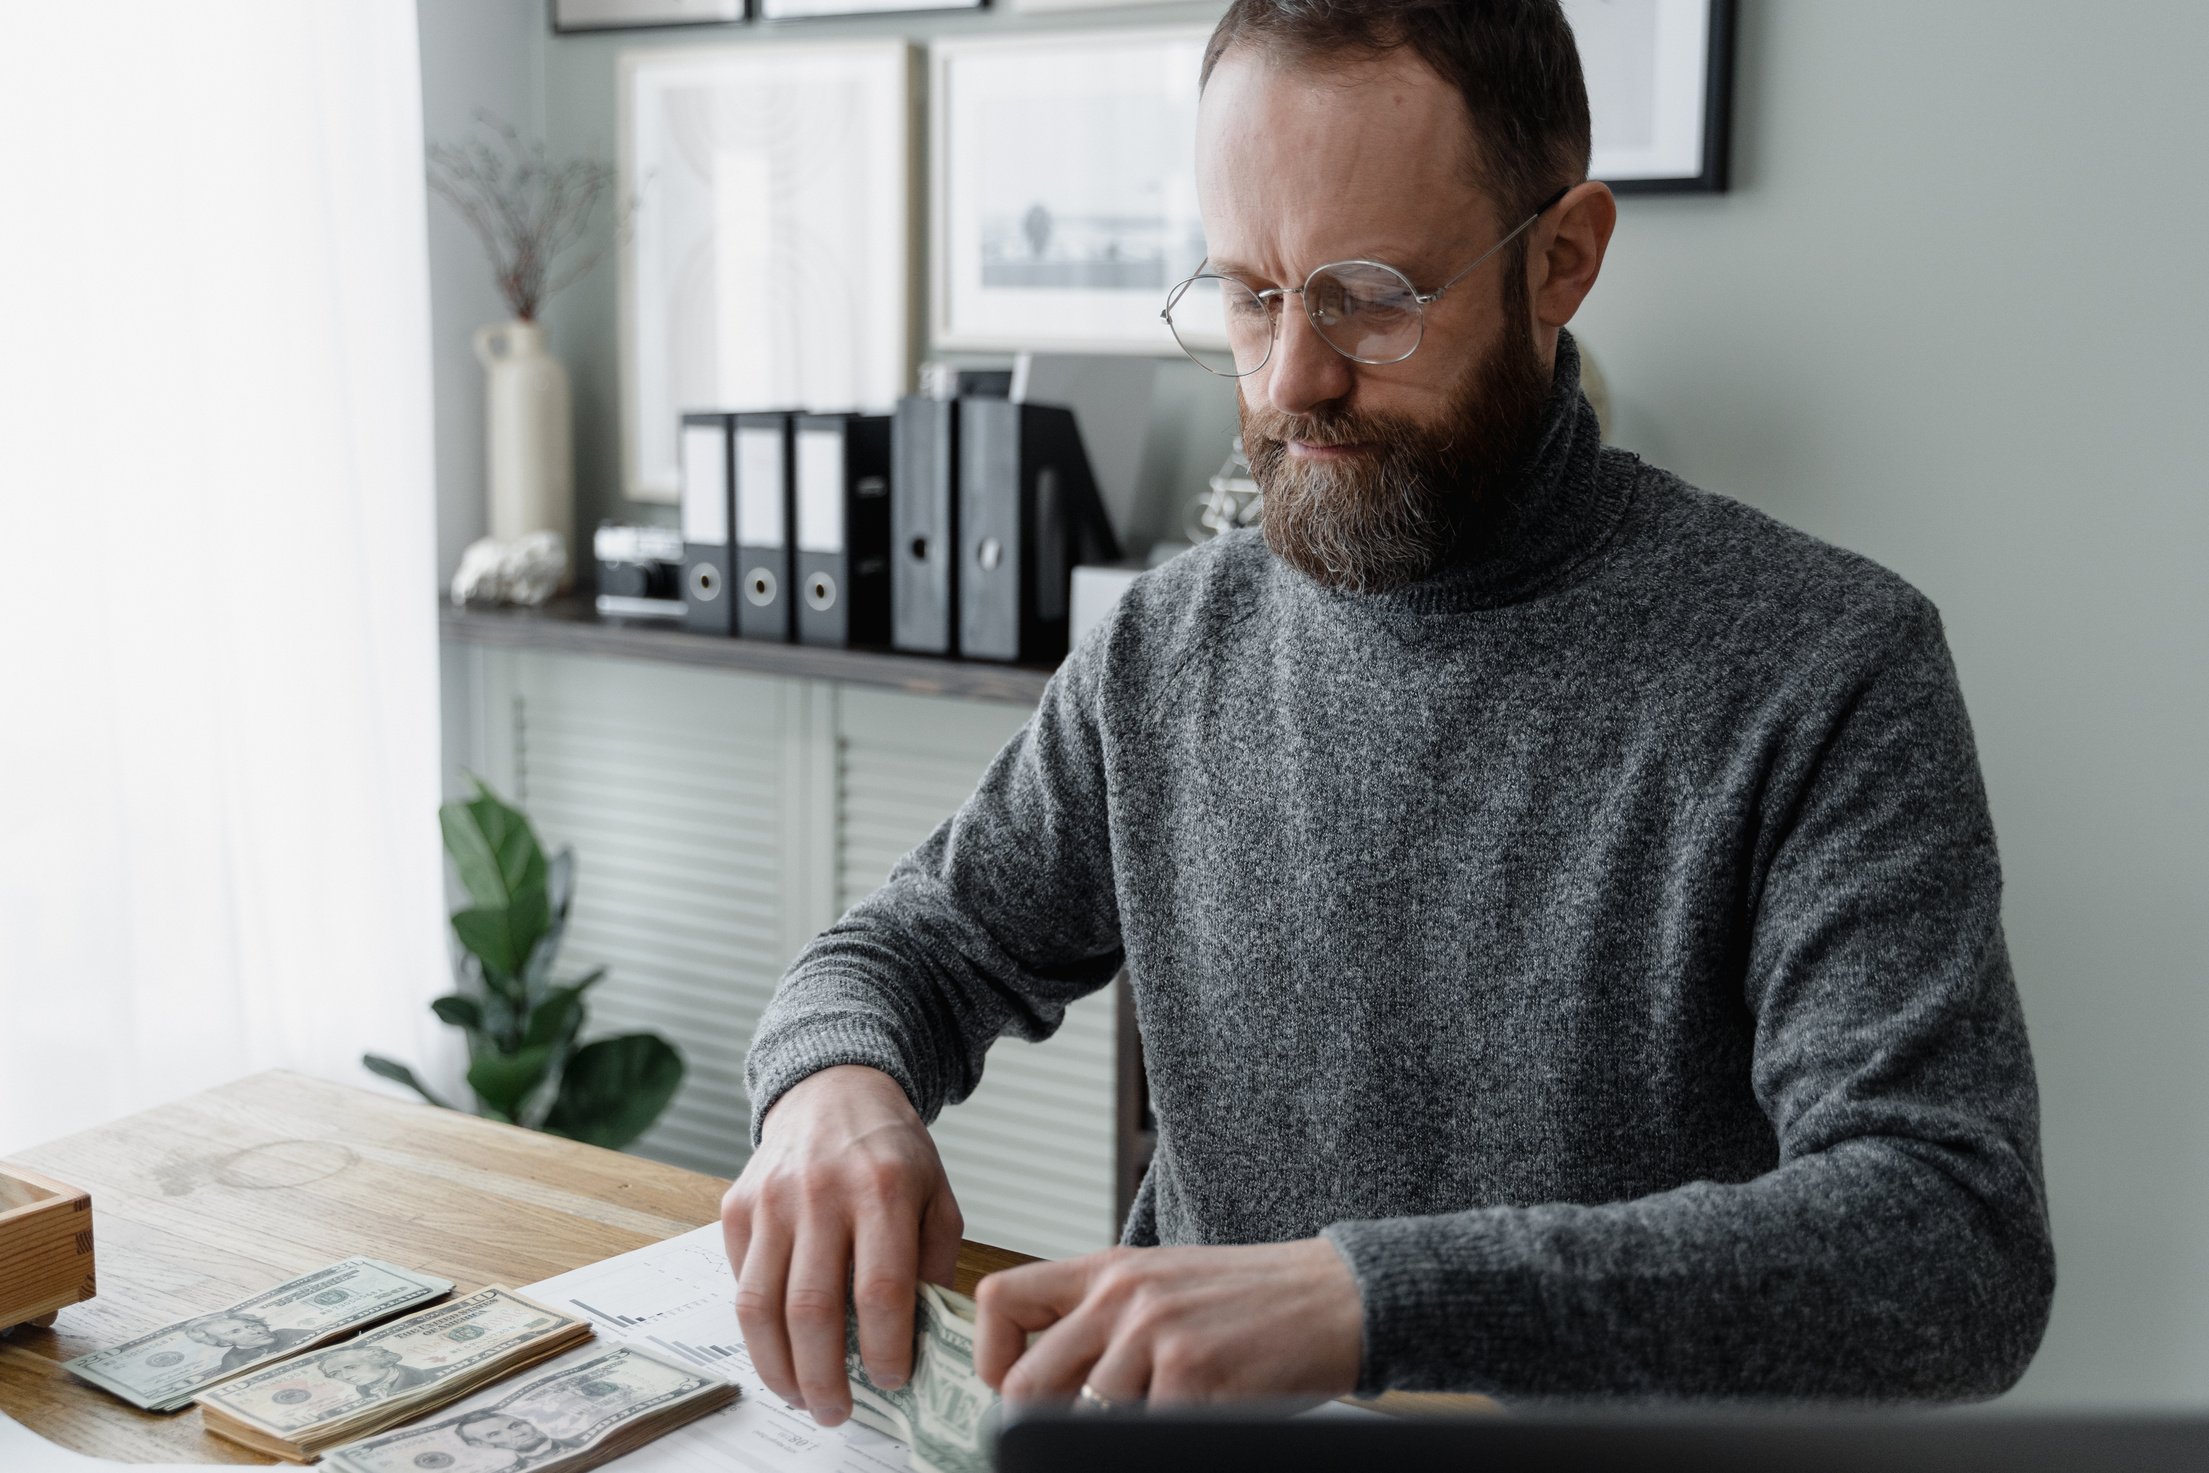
[(584, 1409), (945, 1413), (295, 1408), (163, 1370)]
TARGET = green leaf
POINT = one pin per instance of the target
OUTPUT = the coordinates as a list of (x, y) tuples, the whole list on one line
[(504, 1082), (504, 936), (493, 847), (399, 1073), (615, 1088), (461, 1012), (555, 1020)]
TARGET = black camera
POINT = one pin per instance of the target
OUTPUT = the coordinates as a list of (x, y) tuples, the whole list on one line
[(639, 571)]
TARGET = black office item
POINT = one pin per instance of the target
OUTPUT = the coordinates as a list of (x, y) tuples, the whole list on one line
[(924, 509), (707, 491), (843, 528), (1556, 1442), (764, 512), (640, 572), (1028, 511)]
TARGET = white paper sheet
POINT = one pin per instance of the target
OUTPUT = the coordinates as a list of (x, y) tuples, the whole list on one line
[(24, 1451), (679, 1298)]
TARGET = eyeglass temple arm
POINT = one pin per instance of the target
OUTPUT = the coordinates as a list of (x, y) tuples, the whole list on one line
[(1539, 210)]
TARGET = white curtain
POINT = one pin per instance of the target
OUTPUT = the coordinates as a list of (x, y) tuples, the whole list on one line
[(219, 772)]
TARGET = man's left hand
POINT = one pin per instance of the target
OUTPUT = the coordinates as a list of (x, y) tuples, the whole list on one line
[(1174, 1325)]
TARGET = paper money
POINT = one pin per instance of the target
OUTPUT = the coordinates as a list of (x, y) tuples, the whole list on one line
[(590, 1406), (164, 1370), (944, 1414), (296, 1407)]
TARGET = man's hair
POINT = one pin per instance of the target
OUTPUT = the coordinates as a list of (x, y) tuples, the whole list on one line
[(1513, 61), (201, 1328)]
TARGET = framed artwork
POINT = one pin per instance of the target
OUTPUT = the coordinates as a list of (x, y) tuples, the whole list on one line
[(770, 264), (615, 15), (800, 9), (1064, 201), (1660, 83)]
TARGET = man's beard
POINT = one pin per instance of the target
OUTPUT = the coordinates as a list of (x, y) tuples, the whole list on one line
[(1401, 507)]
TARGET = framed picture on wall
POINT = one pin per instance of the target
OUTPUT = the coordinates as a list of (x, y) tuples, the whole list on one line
[(1064, 192), (800, 9), (771, 260), (1660, 75), (615, 15)]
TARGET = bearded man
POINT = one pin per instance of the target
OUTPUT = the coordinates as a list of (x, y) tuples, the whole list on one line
[(1560, 904)]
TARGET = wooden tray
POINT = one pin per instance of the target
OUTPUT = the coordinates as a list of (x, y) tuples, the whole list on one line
[(45, 1247)]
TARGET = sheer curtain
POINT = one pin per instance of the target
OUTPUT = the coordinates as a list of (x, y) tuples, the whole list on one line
[(219, 772)]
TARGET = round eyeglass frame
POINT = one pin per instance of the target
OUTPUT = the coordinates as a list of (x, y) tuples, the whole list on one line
[(1273, 295)]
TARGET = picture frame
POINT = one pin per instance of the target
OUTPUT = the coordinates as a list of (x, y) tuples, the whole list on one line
[(811, 9), (1660, 88), (773, 161), (1063, 192), (570, 17)]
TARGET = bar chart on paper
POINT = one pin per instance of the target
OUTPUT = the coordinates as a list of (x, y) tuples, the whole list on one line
[(678, 1297)]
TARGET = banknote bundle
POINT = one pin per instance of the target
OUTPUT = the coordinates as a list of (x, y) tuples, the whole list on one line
[(589, 1406), (944, 1413), (164, 1369), (295, 1408)]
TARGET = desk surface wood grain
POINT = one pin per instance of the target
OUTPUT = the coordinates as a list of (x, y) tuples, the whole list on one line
[(201, 1202)]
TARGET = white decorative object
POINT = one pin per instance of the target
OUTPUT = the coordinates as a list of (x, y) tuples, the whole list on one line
[(528, 444), (1657, 102), (523, 570), (1065, 198), (772, 261)]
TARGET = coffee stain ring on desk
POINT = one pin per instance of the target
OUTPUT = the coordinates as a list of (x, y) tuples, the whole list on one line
[(281, 1164)]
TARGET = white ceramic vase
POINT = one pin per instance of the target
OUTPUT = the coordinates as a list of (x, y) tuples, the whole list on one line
[(528, 443)]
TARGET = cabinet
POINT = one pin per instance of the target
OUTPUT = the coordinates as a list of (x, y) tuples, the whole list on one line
[(720, 818)]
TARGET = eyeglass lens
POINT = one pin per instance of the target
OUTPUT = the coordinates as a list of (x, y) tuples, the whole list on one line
[(1368, 313)]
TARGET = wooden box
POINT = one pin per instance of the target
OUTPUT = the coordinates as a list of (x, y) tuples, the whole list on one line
[(45, 1247)]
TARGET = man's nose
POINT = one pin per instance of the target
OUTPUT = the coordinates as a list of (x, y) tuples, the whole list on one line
[(1304, 372)]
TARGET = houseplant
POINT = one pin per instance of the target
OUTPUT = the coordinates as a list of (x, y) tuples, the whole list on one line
[(525, 1065)]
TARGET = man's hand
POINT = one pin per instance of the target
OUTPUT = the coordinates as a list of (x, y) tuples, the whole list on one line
[(846, 1184), (1175, 1325)]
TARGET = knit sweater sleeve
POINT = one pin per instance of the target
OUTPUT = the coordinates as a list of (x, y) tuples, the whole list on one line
[(1899, 1249), (993, 925)]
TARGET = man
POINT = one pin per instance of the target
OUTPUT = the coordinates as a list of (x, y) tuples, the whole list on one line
[(516, 1435), (247, 1338), (1560, 903), (374, 1371)]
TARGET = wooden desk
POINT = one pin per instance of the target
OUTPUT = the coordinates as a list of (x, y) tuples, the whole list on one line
[(204, 1201)]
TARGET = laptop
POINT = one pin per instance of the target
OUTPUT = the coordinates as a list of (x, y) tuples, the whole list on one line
[(1245, 1440)]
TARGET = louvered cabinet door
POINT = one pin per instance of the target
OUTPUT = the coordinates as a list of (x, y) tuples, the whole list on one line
[(1030, 1154), (681, 792)]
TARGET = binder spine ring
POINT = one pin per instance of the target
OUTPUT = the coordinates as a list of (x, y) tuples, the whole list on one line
[(760, 586), (820, 593), (705, 584)]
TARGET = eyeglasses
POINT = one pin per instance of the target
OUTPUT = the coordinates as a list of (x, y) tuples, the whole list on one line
[(1367, 311)]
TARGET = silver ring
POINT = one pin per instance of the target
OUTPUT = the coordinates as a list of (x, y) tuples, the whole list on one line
[(1090, 1399)]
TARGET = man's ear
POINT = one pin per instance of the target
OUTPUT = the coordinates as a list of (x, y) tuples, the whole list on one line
[(1567, 253)]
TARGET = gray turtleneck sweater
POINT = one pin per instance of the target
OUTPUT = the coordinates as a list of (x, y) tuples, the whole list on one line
[(1597, 942)]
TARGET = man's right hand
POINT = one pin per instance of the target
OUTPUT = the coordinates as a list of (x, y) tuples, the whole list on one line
[(846, 1184)]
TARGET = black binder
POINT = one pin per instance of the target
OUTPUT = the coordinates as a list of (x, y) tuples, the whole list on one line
[(764, 513), (706, 490), (1028, 511), (843, 528), (924, 508)]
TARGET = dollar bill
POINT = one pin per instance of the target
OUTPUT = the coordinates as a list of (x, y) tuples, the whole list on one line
[(164, 1369), (295, 1407), (944, 1413), (589, 1406)]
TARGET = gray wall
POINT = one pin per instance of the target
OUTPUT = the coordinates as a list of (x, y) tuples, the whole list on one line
[(1951, 317)]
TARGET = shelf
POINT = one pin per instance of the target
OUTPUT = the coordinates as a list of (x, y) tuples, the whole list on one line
[(571, 625)]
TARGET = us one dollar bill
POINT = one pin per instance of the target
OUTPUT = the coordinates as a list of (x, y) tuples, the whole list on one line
[(945, 1414), (295, 1407), (589, 1406), (163, 1370)]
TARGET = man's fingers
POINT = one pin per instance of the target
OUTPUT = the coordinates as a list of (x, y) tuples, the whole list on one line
[(1058, 1361), (940, 1229), (759, 1293), (813, 1306), (1017, 1301), (885, 1262)]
